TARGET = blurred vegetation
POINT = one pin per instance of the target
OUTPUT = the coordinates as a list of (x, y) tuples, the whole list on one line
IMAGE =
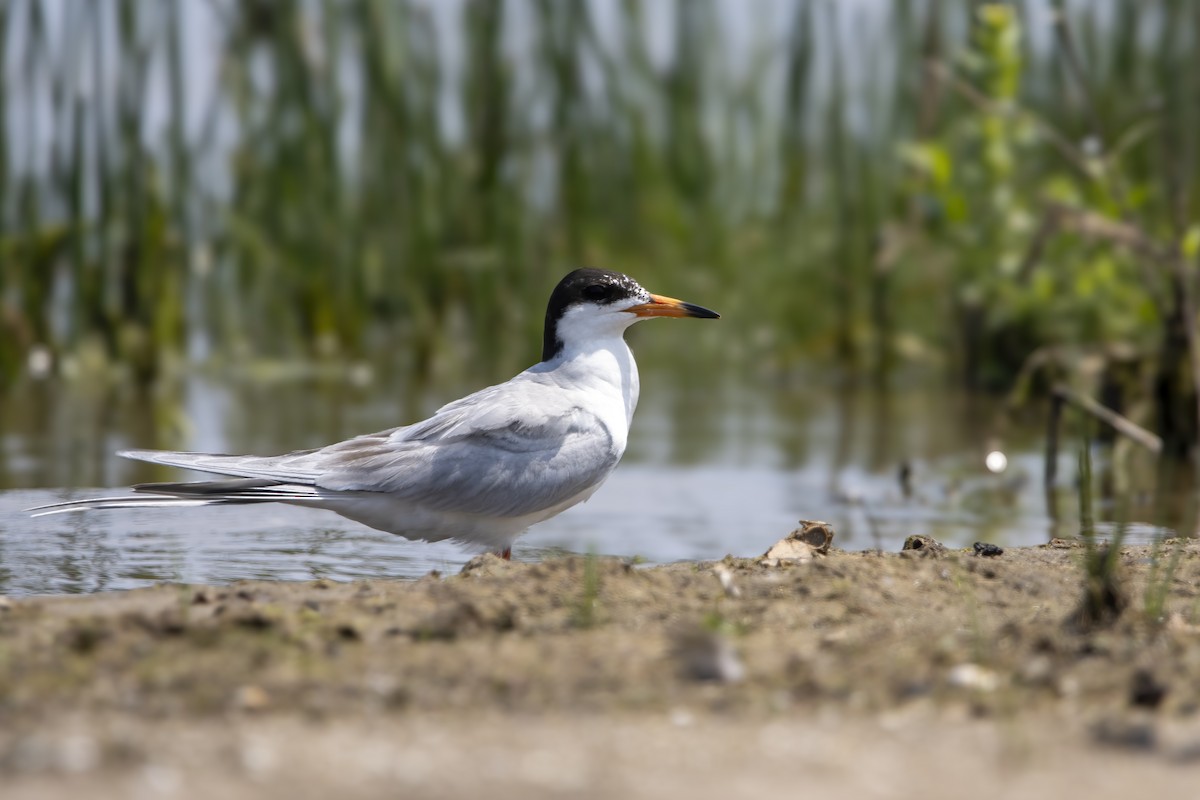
[(1006, 191)]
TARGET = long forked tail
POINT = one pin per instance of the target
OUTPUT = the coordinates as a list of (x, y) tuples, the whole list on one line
[(188, 495)]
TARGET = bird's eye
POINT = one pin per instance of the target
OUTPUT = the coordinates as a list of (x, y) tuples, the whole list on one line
[(595, 291)]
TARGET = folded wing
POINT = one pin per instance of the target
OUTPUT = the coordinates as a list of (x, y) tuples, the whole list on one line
[(508, 451)]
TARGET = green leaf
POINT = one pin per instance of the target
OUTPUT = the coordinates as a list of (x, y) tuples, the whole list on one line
[(1190, 244), (931, 159)]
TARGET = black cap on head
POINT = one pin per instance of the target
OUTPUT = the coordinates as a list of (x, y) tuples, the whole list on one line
[(599, 286)]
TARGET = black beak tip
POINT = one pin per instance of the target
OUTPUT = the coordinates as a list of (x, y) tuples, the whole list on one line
[(700, 312)]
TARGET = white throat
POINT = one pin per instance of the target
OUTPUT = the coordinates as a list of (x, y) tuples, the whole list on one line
[(595, 358)]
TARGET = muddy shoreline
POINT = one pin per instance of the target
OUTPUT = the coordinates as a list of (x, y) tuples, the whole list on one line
[(915, 671)]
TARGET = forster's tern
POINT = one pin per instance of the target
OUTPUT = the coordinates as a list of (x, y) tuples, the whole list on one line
[(482, 469)]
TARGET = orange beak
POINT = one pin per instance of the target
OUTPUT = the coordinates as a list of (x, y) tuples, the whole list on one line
[(660, 306)]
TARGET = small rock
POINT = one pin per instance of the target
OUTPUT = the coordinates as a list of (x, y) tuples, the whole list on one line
[(254, 620), (448, 622), (1187, 752), (682, 718), (926, 544), (83, 638), (1037, 671), (988, 550), (169, 623), (1058, 543), (78, 753), (1145, 690), (835, 636), (1177, 624), (202, 597), (818, 535), (347, 632), (974, 677), (811, 539), (727, 585), (705, 655), (160, 780), (252, 698), (1131, 734), (257, 757), (787, 550)]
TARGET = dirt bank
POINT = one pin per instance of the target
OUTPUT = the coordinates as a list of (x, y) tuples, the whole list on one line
[(886, 674)]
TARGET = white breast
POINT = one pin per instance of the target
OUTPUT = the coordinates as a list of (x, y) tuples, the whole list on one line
[(603, 378)]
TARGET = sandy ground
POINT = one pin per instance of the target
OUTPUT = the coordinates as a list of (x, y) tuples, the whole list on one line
[(924, 673)]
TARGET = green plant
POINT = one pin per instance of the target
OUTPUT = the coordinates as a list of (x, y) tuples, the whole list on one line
[(1104, 598), (584, 615)]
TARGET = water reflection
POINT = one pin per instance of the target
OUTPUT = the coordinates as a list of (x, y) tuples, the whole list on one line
[(721, 460)]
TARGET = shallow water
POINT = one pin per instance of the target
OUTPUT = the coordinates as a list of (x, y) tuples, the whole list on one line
[(711, 470)]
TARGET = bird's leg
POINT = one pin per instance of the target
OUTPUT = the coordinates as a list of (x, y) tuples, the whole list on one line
[(506, 554)]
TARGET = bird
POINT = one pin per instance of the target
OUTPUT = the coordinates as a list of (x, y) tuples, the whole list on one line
[(482, 469)]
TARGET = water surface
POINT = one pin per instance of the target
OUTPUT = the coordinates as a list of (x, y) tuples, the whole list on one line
[(717, 465)]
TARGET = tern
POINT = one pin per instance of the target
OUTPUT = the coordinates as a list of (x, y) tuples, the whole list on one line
[(482, 469)]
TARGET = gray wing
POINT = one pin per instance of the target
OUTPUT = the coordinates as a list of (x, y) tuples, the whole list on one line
[(508, 450)]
